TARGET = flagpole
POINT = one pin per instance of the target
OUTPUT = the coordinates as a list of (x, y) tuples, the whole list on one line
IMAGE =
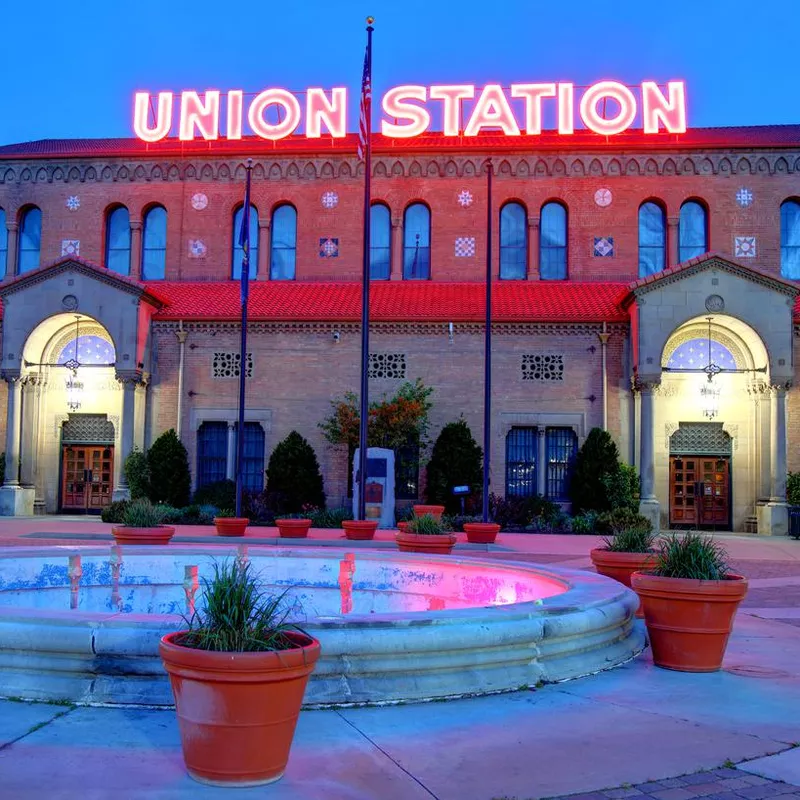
[(244, 238), (487, 344), (364, 411)]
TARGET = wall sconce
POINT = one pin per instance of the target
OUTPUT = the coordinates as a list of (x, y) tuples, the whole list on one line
[(336, 336), (450, 335)]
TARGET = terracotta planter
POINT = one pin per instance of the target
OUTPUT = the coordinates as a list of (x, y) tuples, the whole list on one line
[(402, 526), (481, 532), (435, 511), (123, 534), (293, 528), (231, 526), (360, 528), (437, 543), (689, 621), (237, 712), (620, 566)]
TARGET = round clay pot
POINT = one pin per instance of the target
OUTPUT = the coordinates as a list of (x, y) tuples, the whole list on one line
[(237, 712), (435, 511), (360, 528), (689, 621), (123, 534), (402, 526), (481, 532), (293, 528), (620, 566), (436, 543), (231, 526)]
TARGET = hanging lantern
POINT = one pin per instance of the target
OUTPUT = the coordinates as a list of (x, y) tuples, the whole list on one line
[(74, 391), (709, 400)]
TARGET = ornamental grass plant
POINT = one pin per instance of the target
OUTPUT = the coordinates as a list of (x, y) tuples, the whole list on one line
[(692, 556), (142, 514), (426, 525)]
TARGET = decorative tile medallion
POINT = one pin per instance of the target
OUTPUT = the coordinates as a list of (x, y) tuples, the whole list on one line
[(744, 197), (603, 197), (73, 202), (330, 199), (329, 248), (70, 247), (465, 246), (197, 248), (465, 198), (744, 246), (199, 201), (604, 246)]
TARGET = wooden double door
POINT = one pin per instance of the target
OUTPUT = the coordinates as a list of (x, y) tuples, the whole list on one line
[(699, 491), (87, 477)]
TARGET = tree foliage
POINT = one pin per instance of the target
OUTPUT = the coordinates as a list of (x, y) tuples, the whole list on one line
[(170, 479), (456, 460), (597, 458), (137, 474), (294, 479)]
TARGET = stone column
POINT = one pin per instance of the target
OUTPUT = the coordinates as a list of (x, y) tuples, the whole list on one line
[(13, 428), (533, 249), (29, 429), (129, 384), (136, 249), (648, 504), (672, 242), (13, 230), (264, 249), (541, 461), (604, 336), (182, 335), (396, 251), (773, 517), (230, 460)]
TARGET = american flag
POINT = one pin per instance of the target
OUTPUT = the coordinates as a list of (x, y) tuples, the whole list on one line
[(364, 112)]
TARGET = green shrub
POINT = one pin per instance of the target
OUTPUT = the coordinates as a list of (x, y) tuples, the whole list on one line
[(427, 525), (584, 523), (612, 522), (792, 488), (635, 539), (521, 512), (455, 522), (115, 511), (329, 518), (597, 457), (622, 487), (197, 515), (170, 515), (137, 474), (293, 475), (142, 514), (456, 460), (170, 479), (221, 494), (2, 468), (692, 556)]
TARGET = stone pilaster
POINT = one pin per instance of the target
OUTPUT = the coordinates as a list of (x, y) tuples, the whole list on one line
[(533, 249)]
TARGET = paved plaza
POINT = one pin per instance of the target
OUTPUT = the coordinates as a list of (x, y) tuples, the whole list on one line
[(636, 731)]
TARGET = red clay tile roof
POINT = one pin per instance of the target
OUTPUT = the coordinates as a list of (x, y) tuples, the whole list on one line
[(403, 301), (757, 136)]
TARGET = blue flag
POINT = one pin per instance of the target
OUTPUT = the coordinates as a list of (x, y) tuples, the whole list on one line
[(244, 241)]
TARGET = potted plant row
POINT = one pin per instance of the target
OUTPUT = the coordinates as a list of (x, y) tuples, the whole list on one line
[(293, 526), (142, 524), (238, 673), (359, 529), (425, 534), (228, 524)]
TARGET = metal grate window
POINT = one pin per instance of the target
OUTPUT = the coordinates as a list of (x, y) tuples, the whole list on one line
[(562, 445), (387, 365), (226, 365), (521, 462), (543, 367), (212, 452), (252, 457)]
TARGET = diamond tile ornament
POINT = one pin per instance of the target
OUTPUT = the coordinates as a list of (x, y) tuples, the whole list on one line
[(330, 199), (465, 246), (603, 197), (604, 246), (744, 197), (197, 248), (329, 248), (744, 246), (73, 202), (199, 201), (70, 247), (465, 198)]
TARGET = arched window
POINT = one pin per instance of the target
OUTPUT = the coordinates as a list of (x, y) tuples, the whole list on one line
[(118, 240), (790, 239), (252, 456), (238, 250), (417, 242), (154, 244), (283, 261), (692, 231), (513, 241), (652, 239), (553, 242), (521, 451), (30, 240), (212, 452), (380, 242), (3, 244)]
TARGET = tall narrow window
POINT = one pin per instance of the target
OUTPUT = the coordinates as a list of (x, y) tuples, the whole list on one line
[(417, 242), (253, 457), (380, 242), (283, 261), (154, 244), (118, 240), (652, 239), (553, 242), (790, 239), (513, 241), (692, 231), (406, 470), (521, 462), (3, 244), (238, 250), (212, 452), (562, 445), (30, 240)]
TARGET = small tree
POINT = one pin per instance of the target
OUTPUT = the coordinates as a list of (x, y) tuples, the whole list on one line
[(137, 474), (456, 460), (597, 458), (294, 479), (170, 480), (622, 488)]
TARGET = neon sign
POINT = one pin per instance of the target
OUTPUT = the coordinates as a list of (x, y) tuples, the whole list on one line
[(465, 110)]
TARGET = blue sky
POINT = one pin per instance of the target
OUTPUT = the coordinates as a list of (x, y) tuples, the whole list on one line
[(72, 70)]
